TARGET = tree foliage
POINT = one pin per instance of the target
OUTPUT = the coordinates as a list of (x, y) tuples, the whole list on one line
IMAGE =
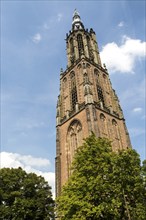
[(103, 184), (24, 196)]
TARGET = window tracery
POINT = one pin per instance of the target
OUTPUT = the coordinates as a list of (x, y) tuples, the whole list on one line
[(74, 138), (72, 56), (116, 134), (91, 56), (74, 97), (80, 44), (64, 83), (103, 125), (71, 46), (100, 94)]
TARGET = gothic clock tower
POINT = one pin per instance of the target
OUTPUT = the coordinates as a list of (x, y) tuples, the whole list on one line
[(87, 101)]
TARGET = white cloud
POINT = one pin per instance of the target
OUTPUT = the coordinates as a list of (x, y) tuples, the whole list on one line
[(37, 38), (59, 17), (121, 24), (29, 164), (121, 58), (137, 110)]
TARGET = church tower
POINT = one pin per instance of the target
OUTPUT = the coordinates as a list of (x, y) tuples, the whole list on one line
[(87, 101)]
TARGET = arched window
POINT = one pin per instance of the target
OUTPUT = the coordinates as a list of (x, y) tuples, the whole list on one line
[(102, 117), (94, 113), (114, 122), (116, 135), (96, 76), (74, 140), (79, 66), (96, 72), (88, 65), (88, 45), (74, 97), (71, 46), (90, 52), (100, 94), (88, 42), (64, 83), (103, 126), (88, 114), (80, 44), (72, 75)]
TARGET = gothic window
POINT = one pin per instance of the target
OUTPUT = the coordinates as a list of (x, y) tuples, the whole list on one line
[(74, 139), (100, 94), (64, 83), (88, 114), (105, 79), (96, 75), (88, 65), (79, 66), (71, 46), (89, 45), (80, 44), (72, 75), (116, 134), (115, 129), (94, 113), (91, 56), (96, 72), (64, 94), (103, 126), (74, 97), (102, 117), (114, 122)]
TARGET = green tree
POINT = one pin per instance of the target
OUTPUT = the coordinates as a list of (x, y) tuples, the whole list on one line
[(144, 168), (24, 196), (103, 184), (144, 180)]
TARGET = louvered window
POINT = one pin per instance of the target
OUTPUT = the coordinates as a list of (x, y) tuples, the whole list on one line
[(74, 97), (80, 44), (100, 94)]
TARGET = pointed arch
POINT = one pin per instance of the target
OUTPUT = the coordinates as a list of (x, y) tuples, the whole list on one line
[(71, 46), (73, 141), (80, 44), (89, 46), (116, 135), (100, 94), (74, 96), (103, 126)]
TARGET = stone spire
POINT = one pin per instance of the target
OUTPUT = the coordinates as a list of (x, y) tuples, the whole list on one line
[(77, 23)]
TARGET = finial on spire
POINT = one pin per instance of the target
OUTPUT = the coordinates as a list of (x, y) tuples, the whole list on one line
[(77, 23), (76, 16), (75, 13)]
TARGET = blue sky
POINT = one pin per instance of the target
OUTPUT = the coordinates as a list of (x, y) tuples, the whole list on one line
[(33, 50)]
